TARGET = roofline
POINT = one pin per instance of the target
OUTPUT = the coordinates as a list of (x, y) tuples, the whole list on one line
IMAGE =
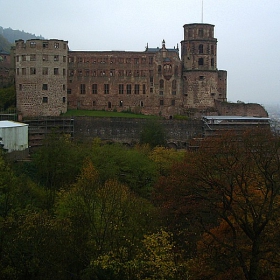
[(189, 24)]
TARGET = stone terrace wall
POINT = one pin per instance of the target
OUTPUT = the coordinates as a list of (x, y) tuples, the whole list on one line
[(128, 130)]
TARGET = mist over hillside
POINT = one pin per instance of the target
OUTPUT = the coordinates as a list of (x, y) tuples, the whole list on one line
[(9, 35)]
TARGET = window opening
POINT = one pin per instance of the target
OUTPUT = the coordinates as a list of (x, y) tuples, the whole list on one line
[(128, 89), (106, 88), (200, 61), (94, 88), (82, 89)]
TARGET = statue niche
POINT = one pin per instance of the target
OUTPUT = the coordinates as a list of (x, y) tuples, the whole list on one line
[(167, 71)]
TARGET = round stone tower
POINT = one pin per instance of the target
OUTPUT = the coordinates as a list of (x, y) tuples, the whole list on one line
[(203, 83)]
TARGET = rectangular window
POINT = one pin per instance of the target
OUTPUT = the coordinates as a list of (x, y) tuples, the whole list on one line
[(173, 102), (64, 58), (64, 72), (121, 89), (136, 89), (136, 60), (121, 73), (94, 89), (23, 57), (106, 88), (55, 71), (63, 87), (200, 61), (71, 73), (160, 92), (56, 45), (212, 49), (45, 45), (173, 92), (45, 57), (20, 86), (56, 57), (151, 60), (161, 102), (64, 46), (112, 73), (32, 44), (128, 73), (87, 72), (128, 89), (33, 57), (32, 71), (45, 71), (151, 90), (69, 91), (45, 87), (143, 60), (151, 81), (23, 71), (82, 89), (70, 59), (17, 71), (144, 89), (17, 58), (63, 99), (45, 99)]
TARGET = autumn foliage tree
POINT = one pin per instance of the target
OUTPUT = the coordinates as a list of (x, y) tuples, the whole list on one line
[(234, 181)]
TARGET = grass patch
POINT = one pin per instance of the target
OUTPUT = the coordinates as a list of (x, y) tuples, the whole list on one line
[(107, 114)]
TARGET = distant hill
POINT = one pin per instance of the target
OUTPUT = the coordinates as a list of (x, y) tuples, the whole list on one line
[(9, 35), (5, 45)]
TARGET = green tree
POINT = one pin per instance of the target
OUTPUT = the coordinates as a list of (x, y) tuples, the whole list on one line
[(7, 98), (107, 220), (153, 133), (131, 167), (57, 163), (165, 158)]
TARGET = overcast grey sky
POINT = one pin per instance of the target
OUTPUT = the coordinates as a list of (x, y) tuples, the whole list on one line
[(248, 32)]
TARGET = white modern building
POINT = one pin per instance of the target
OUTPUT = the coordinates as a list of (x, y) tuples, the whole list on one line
[(13, 136)]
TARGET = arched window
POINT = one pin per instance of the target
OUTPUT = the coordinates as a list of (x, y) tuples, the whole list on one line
[(109, 105), (200, 48), (161, 83)]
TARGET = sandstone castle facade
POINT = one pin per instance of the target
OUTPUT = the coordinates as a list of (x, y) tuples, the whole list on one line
[(51, 79)]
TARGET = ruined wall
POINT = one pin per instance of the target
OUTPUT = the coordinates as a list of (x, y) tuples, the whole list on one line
[(240, 109)]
